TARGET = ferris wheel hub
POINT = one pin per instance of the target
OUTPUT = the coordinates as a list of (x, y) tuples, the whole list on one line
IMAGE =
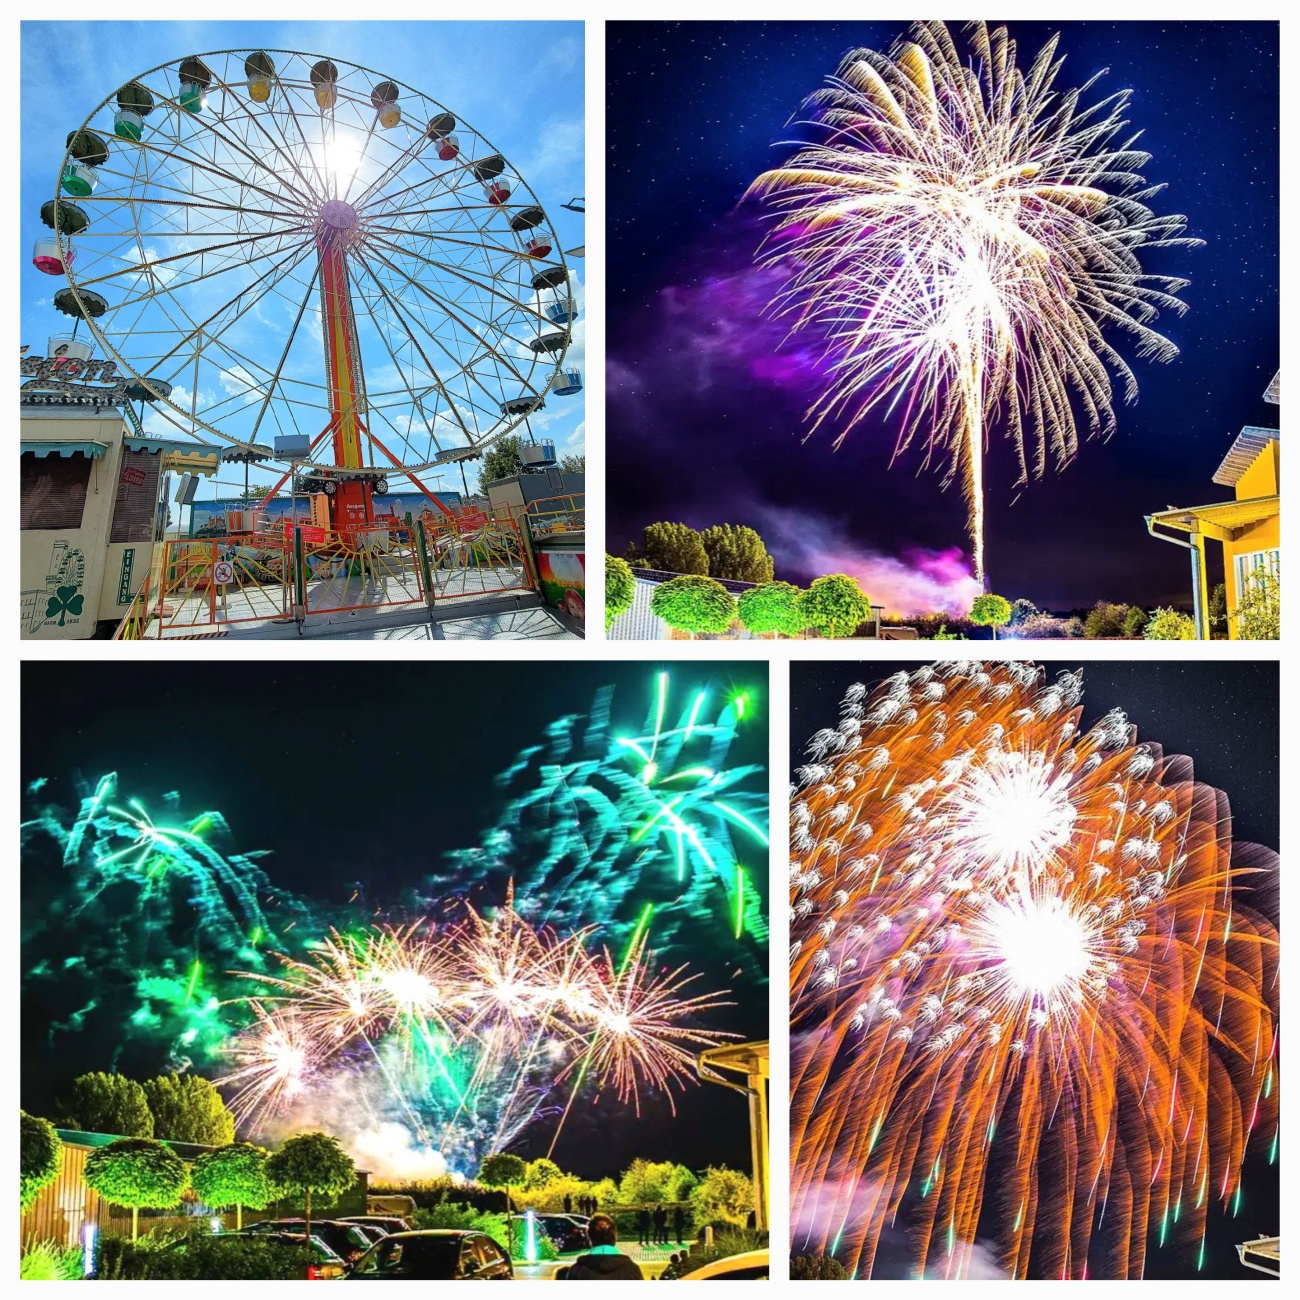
[(339, 216)]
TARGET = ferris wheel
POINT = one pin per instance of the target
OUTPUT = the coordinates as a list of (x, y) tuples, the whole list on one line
[(314, 263)]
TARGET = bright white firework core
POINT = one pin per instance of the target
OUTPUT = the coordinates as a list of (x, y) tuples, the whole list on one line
[(1012, 811), (1041, 947)]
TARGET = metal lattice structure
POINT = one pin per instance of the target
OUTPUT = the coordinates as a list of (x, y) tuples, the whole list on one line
[(254, 213)]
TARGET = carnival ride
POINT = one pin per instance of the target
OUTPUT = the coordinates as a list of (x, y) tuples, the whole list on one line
[(228, 222)]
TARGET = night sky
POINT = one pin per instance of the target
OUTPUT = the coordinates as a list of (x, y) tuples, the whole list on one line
[(1225, 716), (706, 403), (349, 785)]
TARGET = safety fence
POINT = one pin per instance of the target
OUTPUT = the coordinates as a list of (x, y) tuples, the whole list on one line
[(290, 574)]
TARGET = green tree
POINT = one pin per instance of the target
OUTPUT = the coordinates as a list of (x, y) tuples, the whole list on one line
[(681, 1183), (540, 1172), (573, 464), (647, 1181), (694, 604), (620, 588), (991, 611), (1105, 620), (724, 1195), (311, 1162), (259, 492), (834, 605), (109, 1103), (187, 1108), (41, 1154), (1218, 611), (501, 460), (502, 1170), (233, 1175), (674, 548), (1259, 613), (1022, 609), (1169, 625), (816, 1268), (772, 609), (1135, 620), (737, 553), (138, 1173)]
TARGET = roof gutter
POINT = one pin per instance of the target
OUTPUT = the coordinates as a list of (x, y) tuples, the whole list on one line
[(1198, 614)]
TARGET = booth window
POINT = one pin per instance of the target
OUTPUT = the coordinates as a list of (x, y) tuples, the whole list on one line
[(52, 491)]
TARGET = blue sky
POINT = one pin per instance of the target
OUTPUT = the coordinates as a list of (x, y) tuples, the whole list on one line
[(519, 84)]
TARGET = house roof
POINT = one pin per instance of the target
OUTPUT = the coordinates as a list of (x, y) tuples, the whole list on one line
[(1224, 514), (1241, 455), (662, 575)]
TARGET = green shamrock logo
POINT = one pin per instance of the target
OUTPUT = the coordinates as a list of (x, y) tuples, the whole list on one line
[(65, 601)]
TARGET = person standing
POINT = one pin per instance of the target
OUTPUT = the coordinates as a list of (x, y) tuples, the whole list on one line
[(643, 1226), (679, 1224), (661, 1226)]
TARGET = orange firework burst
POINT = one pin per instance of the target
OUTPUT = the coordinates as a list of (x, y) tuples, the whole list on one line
[(1031, 993)]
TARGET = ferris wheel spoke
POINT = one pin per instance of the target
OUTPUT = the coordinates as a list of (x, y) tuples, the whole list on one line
[(265, 286), (439, 238), (140, 268), (153, 201), (432, 369), (447, 180), (409, 154), (447, 308), (240, 147), (211, 168), (284, 356), (440, 302), (370, 132), (309, 195)]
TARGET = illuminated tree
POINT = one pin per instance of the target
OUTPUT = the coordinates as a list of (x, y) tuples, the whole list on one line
[(835, 605), (1169, 625), (694, 604), (620, 588), (187, 1108), (110, 1103), (41, 1153), (311, 1162), (737, 553), (772, 609), (503, 1170), (675, 548), (138, 1173), (1259, 612), (991, 611), (236, 1175), (723, 1195)]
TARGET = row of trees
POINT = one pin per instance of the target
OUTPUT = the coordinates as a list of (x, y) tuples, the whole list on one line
[(141, 1173), (834, 605), (716, 1195), (177, 1107), (734, 552)]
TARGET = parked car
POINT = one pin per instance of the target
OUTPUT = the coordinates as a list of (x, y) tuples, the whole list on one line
[(387, 1222), (751, 1266), (346, 1240), (434, 1255), (566, 1235)]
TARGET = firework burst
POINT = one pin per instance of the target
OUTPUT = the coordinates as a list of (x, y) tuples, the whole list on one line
[(1033, 992), (472, 1026), (962, 232)]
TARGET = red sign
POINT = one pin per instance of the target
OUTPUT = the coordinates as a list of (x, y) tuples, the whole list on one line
[(135, 477), (311, 535)]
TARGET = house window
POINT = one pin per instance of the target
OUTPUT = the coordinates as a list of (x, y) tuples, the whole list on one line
[(1250, 562)]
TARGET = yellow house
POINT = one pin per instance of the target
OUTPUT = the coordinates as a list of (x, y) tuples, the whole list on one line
[(1247, 527)]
